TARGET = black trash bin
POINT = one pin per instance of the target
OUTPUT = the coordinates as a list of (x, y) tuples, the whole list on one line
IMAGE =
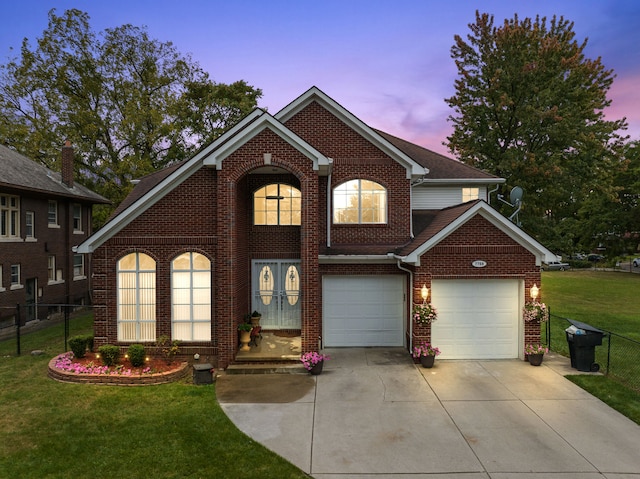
[(583, 339)]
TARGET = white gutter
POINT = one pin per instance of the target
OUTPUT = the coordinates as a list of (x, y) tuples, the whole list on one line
[(398, 260), (329, 195)]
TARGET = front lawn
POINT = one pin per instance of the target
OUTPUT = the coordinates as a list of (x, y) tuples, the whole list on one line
[(606, 300), (57, 430)]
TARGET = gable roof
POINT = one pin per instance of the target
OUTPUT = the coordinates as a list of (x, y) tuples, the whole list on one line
[(22, 173), (442, 169), (440, 224), (314, 94)]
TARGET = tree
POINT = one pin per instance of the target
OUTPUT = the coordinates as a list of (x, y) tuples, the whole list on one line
[(128, 103), (529, 107)]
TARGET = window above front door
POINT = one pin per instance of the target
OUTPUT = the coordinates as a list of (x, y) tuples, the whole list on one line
[(277, 204)]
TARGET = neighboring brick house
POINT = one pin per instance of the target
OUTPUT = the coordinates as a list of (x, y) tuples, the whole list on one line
[(43, 216), (327, 227)]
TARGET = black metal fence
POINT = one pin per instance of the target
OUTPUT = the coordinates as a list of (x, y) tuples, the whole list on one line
[(52, 313), (618, 356)]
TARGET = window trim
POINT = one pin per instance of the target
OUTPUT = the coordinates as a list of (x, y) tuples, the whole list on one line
[(77, 220), (334, 202), (30, 223), (82, 275), (54, 223), (191, 321)]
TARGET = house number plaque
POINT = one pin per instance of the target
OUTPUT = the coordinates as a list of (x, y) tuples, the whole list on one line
[(479, 263)]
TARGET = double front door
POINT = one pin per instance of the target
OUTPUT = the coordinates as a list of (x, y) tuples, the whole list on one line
[(276, 293)]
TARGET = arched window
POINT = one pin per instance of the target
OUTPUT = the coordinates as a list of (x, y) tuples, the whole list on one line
[(360, 202), (277, 204), (191, 297), (136, 274)]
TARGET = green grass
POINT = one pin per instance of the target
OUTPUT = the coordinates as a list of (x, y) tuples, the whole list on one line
[(606, 300), (50, 429)]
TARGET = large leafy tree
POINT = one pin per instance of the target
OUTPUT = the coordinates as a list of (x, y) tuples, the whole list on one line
[(128, 103), (529, 107)]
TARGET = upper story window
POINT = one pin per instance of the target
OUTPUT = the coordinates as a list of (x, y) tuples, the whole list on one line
[(78, 266), (77, 218), (52, 213), (277, 204), (469, 194), (29, 226), (15, 276), (360, 202), (9, 216)]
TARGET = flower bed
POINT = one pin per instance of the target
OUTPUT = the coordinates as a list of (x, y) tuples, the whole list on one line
[(90, 370)]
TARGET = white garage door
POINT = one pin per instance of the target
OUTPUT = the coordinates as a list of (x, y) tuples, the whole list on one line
[(363, 310), (477, 319)]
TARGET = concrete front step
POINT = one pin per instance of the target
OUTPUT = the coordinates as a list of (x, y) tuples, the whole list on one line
[(267, 368)]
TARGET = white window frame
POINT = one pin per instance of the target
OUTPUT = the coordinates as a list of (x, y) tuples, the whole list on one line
[(30, 225), (262, 200), (342, 196), (76, 209), (9, 217), (52, 214), (137, 317), (191, 299), (51, 268), (15, 277), (78, 267)]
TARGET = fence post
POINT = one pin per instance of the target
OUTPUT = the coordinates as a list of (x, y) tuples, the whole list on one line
[(18, 329)]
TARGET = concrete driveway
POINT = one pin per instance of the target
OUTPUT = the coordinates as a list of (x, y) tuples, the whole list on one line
[(372, 414)]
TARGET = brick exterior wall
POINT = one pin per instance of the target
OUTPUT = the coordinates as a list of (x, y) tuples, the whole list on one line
[(211, 212)]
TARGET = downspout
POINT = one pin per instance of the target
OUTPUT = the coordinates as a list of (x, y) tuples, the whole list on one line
[(399, 259), (492, 191), (329, 195)]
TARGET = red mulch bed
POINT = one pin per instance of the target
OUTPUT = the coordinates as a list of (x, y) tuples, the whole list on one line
[(157, 364)]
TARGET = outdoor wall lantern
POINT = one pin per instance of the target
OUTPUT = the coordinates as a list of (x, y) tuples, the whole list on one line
[(534, 291), (424, 292)]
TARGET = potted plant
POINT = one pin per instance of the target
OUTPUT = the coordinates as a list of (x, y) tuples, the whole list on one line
[(426, 353), (535, 311), (424, 313), (313, 362), (245, 335), (535, 353), (255, 318)]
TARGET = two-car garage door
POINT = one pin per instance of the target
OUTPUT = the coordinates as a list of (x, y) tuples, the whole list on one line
[(477, 319)]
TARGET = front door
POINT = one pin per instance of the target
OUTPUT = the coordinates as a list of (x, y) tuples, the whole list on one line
[(276, 293)]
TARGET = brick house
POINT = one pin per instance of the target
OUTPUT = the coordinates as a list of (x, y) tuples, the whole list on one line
[(327, 227), (43, 215)]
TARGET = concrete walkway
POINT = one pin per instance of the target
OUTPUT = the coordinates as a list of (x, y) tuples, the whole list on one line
[(372, 414)]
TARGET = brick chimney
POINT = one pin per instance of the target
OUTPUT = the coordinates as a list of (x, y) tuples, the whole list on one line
[(67, 164)]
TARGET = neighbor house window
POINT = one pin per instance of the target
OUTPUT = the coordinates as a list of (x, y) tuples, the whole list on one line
[(469, 194), (77, 218), (136, 274), (1, 287), (15, 276), (52, 214), (29, 220), (9, 216), (360, 202), (78, 266), (51, 268), (191, 297), (277, 204)]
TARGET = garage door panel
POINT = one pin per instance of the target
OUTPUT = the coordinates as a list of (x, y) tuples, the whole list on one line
[(363, 310), (477, 319)]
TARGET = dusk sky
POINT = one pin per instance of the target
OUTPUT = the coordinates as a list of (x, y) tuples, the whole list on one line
[(387, 62)]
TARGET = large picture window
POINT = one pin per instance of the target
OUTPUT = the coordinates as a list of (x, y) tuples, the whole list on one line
[(191, 297), (136, 298), (9, 216), (277, 204), (360, 202)]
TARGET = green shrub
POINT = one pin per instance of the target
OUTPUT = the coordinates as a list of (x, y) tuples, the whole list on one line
[(168, 348), (90, 343), (78, 345), (110, 354), (136, 355)]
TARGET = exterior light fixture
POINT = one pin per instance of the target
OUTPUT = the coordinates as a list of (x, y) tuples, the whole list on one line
[(424, 292), (534, 291)]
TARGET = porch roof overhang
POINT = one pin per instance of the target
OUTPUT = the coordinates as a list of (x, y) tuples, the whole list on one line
[(431, 239)]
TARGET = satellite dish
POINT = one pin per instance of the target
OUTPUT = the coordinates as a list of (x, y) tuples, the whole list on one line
[(516, 195)]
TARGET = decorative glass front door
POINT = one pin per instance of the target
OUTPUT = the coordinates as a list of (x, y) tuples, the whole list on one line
[(276, 293)]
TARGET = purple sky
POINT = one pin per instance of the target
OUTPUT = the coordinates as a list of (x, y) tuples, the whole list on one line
[(385, 61)]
